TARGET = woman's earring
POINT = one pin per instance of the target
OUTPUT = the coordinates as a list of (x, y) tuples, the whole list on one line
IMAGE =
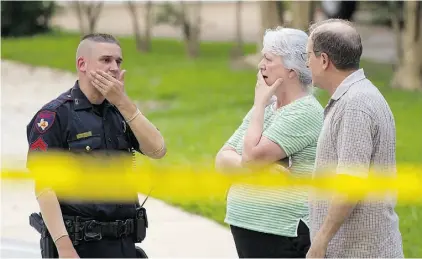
[(290, 74)]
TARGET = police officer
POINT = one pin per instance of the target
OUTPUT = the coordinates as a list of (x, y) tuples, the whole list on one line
[(95, 115)]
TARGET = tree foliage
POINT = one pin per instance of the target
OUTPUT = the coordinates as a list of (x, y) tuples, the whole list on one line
[(26, 18)]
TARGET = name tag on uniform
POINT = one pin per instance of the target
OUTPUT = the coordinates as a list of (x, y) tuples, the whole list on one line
[(84, 135)]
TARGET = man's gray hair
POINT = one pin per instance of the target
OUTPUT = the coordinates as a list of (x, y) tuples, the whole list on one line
[(339, 40), (290, 45)]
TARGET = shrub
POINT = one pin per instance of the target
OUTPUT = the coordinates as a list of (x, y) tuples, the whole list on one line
[(26, 18)]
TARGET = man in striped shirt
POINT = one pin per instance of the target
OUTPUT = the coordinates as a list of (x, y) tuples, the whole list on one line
[(272, 222)]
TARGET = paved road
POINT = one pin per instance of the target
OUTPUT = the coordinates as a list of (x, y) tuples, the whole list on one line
[(35, 86), (11, 248), (219, 24)]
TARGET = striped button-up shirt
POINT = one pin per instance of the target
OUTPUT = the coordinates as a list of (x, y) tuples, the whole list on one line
[(358, 138)]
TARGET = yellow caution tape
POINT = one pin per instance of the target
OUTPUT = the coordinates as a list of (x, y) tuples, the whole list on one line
[(114, 179)]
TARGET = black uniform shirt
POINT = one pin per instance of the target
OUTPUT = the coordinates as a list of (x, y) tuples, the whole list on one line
[(70, 122)]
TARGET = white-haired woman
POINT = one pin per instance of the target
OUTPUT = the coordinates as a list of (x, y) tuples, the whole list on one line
[(272, 222)]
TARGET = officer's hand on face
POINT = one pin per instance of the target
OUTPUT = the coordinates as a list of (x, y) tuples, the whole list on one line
[(111, 88)]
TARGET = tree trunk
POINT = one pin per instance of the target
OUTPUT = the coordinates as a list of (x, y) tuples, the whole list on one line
[(192, 28), (148, 25), (409, 73), (271, 16), (311, 13), (300, 14), (90, 11), (77, 6), (237, 50), (135, 25), (280, 11), (269, 19), (93, 11), (143, 42), (395, 22)]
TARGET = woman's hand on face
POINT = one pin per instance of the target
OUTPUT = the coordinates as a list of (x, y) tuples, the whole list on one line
[(264, 92)]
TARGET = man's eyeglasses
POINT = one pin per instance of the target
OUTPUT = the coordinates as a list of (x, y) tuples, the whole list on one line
[(307, 55)]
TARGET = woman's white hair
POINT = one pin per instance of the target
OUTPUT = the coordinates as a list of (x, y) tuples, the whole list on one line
[(290, 45)]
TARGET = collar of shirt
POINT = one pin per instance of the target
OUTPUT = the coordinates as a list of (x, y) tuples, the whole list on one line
[(80, 99), (347, 83)]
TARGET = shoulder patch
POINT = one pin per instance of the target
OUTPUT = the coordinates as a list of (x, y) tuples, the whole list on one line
[(44, 121), (39, 144)]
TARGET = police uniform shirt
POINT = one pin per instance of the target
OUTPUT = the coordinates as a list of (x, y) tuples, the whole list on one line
[(71, 123)]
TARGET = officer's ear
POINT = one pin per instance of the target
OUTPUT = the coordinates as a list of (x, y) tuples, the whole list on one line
[(81, 64)]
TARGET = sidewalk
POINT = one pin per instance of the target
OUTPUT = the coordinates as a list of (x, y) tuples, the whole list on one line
[(172, 232)]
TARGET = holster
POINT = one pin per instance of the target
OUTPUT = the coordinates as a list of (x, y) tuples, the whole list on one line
[(141, 224), (48, 248)]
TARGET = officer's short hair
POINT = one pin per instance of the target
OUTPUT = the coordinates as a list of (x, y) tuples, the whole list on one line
[(94, 37), (101, 37)]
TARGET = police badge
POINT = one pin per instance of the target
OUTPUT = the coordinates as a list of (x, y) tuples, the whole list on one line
[(124, 126)]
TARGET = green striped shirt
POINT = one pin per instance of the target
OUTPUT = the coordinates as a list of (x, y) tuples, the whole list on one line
[(295, 128)]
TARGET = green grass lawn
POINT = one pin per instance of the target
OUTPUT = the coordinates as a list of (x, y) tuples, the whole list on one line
[(203, 101)]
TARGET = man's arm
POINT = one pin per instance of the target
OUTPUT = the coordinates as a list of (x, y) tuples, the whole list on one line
[(53, 218), (354, 147), (339, 210), (44, 134), (151, 142)]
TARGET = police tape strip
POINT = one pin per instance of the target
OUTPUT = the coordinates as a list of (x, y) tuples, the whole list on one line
[(109, 180)]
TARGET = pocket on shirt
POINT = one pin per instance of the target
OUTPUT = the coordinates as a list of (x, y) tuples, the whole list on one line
[(85, 145), (123, 143)]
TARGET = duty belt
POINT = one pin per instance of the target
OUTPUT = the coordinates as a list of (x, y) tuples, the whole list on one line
[(80, 229)]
